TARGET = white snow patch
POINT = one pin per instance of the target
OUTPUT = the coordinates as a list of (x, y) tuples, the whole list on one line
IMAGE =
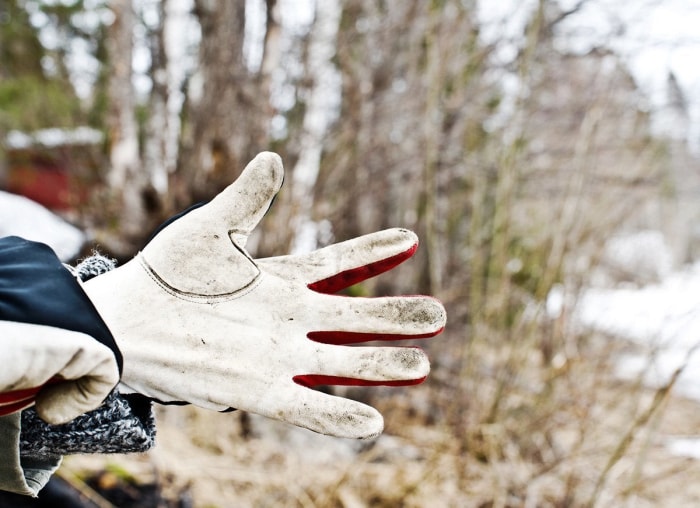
[(642, 256), (53, 137), (20, 216), (688, 446), (662, 317)]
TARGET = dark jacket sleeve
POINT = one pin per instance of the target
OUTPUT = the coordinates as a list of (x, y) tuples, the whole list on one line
[(36, 288)]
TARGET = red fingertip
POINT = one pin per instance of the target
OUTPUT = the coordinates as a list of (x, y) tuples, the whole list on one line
[(345, 279)]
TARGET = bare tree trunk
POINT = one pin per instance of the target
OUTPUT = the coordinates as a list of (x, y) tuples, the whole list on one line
[(324, 91), (432, 134), (159, 129), (124, 176), (224, 129), (271, 54)]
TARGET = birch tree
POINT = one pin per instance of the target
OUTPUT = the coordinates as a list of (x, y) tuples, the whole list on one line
[(125, 177), (321, 110), (222, 132)]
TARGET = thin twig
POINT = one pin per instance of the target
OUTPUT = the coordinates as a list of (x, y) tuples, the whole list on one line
[(85, 490)]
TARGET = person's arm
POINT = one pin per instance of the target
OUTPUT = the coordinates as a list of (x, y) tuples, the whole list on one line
[(51, 356)]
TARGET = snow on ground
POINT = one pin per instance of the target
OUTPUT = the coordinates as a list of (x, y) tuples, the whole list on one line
[(23, 217), (665, 319)]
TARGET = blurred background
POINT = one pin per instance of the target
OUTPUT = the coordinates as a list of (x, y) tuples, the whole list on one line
[(545, 151)]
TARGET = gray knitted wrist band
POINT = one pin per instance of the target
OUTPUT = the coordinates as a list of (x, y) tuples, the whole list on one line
[(123, 424)]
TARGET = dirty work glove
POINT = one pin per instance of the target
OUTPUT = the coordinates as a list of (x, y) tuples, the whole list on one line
[(65, 373), (198, 320)]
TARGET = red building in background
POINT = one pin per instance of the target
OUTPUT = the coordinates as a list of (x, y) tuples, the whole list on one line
[(54, 167)]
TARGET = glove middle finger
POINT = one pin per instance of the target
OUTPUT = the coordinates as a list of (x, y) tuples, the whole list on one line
[(348, 320)]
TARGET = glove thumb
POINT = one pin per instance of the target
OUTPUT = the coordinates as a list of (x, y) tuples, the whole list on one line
[(61, 402), (202, 253)]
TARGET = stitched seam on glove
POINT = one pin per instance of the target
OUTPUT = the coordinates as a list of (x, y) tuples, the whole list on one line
[(199, 298)]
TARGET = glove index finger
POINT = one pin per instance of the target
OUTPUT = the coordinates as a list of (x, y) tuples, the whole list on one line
[(341, 265)]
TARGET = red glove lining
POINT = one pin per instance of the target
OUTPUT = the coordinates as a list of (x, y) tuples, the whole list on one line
[(345, 279), (341, 338), (16, 400), (18, 395), (11, 407)]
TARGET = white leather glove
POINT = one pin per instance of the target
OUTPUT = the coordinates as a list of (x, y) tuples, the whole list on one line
[(198, 320), (65, 373)]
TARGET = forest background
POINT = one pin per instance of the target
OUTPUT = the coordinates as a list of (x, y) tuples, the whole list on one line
[(516, 158)]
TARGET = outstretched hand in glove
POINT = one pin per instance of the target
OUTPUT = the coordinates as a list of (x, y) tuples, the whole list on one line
[(198, 320)]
